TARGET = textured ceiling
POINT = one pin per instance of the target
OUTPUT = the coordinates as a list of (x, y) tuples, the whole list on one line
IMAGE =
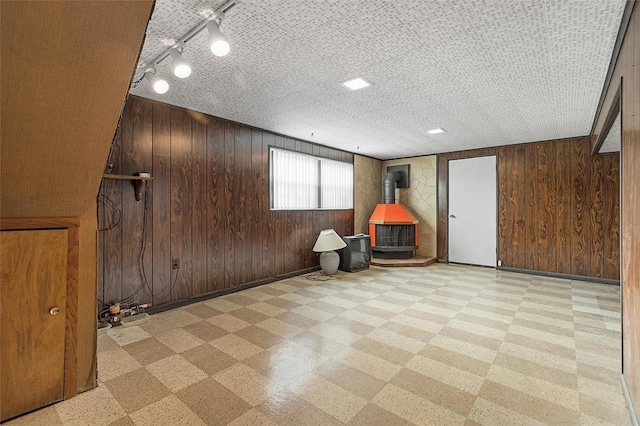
[(490, 72), (613, 141)]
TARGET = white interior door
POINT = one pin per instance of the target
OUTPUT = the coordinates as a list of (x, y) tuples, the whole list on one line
[(473, 211)]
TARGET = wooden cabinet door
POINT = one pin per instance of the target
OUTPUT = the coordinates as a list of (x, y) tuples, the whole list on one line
[(33, 276)]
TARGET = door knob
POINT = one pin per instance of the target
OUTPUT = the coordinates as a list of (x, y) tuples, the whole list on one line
[(54, 311), (452, 216)]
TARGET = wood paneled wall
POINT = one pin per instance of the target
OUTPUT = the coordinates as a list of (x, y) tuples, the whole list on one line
[(627, 74), (207, 205), (558, 207)]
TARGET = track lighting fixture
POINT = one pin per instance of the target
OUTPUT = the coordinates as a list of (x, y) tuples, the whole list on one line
[(159, 85), (181, 68), (217, 40), (218, 44)]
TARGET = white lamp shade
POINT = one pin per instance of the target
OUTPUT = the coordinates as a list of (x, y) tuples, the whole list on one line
[(181, 68), (328, 240), (218, 42)]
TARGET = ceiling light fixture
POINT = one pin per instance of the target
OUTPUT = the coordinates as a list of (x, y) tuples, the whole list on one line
[(181, 68), (218, 44), (356, 83), (217, 40), (436, 131), (159, 85)]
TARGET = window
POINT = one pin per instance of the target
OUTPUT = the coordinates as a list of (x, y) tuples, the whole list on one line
[(304, 182)]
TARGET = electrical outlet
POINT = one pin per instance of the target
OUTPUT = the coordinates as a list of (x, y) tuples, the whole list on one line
[(499, 262), (175, 263)]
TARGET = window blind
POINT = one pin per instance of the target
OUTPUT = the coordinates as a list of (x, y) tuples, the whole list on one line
[(304, 182)]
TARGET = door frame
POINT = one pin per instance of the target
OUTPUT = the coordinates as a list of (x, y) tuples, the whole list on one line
[(71, 224), (496, 154)]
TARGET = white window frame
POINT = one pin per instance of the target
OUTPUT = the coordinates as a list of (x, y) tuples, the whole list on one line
[(299, 181)]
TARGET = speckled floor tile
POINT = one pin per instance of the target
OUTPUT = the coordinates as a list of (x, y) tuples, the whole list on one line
[(115, 362), (443, 345), (247, 383), (126, 335), (95, 407), (167, 411), (176, 372), (331, 398)]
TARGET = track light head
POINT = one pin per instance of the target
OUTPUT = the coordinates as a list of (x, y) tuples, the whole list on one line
[(159, 85), (181, 68), (218, 42)]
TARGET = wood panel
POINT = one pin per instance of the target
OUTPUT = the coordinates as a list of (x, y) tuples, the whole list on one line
[(109, 208), (630, 175), (580, 211), (34, 275), (518, 177), (40, 262), (545, 190), (563, 206), (136, 156), (511, 179), (596, 216), (610, 213), (548, 219), (181, 204), (209, 207), (229, 198), (626, 73), (72, 377), (505, 202), (198, 190), (215, 206), (531, 205), (161, 187), (243, 207), (258, 195), (442, 246)]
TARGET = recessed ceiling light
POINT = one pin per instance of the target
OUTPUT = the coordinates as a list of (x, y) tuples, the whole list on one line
[(356, 83), (436, 131)]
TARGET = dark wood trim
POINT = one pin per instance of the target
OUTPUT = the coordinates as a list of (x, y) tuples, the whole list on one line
[(560, 275), (614, 110), (622, 31), (217, 293), (299, 151), (487, 148)]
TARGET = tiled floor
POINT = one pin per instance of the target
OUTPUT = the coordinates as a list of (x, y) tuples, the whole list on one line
[(444, 345)]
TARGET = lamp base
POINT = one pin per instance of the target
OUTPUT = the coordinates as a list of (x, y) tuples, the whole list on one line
[(329, 262)]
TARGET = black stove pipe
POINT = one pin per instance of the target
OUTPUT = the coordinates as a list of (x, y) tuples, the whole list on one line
[(389, 187)]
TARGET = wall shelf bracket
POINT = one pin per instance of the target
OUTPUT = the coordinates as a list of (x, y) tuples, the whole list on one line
[(138, 181)]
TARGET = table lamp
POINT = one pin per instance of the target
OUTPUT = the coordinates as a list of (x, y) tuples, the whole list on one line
[(327, 242)]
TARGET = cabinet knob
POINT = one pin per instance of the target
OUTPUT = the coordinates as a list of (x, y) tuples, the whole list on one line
[(452, 216), (54, 311)]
